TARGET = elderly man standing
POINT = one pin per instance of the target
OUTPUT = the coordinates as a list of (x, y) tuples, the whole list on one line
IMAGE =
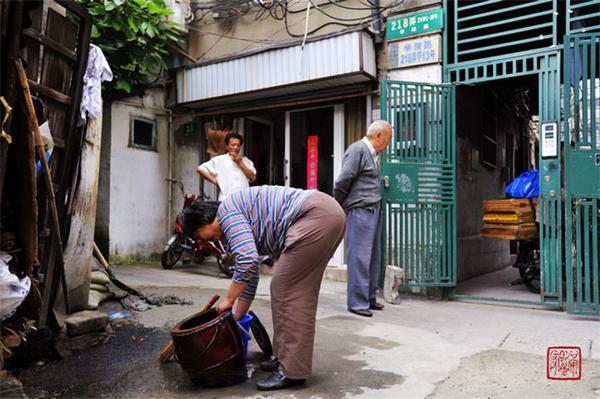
[(357, 189)]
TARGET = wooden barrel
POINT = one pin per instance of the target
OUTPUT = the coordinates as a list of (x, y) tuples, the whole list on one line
[(209, 348)]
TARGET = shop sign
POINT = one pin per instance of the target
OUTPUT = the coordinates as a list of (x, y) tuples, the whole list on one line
[(312, 163), (419, 51), (414, 24)]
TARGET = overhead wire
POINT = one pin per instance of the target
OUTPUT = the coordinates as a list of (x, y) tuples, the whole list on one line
[(279, 10), (337, 4), (199, 30), (336, 18)]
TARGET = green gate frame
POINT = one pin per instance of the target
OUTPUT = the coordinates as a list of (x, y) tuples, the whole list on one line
[(546, 64), (582, 153), (419, 181)]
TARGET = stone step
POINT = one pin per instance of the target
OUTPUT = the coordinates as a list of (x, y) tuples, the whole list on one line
[(85, 322)]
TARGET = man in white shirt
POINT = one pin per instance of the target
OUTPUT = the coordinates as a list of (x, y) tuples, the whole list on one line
[(230, 172)]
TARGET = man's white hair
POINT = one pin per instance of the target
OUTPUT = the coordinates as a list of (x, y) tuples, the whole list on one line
[(378, 126)]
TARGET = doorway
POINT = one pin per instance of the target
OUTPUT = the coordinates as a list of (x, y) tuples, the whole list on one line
[(259, 147), (314, 148), (311, 149), (495, 134)]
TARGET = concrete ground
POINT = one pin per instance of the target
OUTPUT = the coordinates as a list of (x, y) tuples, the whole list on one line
[(418, 349), (497, 285)]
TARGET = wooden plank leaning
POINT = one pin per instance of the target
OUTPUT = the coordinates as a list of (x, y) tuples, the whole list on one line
[(39, 146)]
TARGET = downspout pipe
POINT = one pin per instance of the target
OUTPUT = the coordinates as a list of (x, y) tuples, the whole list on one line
[(376, 20), (169, 169)]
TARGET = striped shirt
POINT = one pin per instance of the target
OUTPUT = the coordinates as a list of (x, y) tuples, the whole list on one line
[(255, 221)]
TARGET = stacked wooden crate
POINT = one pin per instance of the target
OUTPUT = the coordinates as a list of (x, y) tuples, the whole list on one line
[(509, 219)]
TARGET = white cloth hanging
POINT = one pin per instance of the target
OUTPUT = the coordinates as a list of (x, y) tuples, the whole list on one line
[(96, 72)]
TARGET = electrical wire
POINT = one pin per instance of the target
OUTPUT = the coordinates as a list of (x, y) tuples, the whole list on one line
[(336, 18), (273, 11), (337, 4), (259, 41), (279, 10), (316, 29)]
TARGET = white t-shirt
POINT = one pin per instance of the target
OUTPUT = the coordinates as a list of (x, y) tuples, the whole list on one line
[(229, 175)]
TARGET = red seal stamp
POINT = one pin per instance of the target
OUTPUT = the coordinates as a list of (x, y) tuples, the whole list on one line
[(563, 363)]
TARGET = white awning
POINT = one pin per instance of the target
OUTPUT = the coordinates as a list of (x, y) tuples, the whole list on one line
[(345, 59)]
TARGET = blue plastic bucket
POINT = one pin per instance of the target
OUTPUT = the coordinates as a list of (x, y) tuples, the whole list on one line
[(244, 324)]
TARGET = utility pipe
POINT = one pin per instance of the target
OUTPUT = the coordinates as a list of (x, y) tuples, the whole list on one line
[(169, 169), (376, 17)]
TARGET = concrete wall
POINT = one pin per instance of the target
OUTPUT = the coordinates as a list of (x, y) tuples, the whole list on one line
[(185, 160), (138, 192)]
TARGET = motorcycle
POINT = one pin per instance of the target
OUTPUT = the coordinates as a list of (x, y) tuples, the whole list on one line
[(180, 242), (528, 263)]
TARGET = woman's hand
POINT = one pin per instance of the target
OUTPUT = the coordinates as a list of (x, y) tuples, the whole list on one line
[(235, 290), (224, 305)]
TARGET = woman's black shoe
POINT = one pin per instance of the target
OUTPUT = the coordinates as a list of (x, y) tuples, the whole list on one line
[(270, 365), (278, 380)]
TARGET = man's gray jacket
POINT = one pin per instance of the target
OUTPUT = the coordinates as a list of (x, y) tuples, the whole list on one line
[(359, 184)]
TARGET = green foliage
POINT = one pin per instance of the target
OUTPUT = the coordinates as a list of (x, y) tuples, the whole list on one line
[(132, 34)]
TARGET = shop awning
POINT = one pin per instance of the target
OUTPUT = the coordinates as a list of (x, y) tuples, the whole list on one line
[(345, 59)]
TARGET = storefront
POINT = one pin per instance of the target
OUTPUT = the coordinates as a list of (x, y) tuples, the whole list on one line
[(298, 106)]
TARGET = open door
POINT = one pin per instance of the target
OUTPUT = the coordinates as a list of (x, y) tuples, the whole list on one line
[(260, 148), (419, 182)]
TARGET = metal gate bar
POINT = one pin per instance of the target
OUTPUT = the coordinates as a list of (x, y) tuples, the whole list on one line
[(419, 198)]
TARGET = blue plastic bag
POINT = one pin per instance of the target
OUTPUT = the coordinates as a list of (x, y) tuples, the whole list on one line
[(525, 186)]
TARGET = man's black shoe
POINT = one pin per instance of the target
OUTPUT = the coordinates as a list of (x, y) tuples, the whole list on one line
[(270, 365), (278, 380), (361, 312), (376, 306)]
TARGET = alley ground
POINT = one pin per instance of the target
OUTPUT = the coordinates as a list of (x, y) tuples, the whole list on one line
[(419, 348)]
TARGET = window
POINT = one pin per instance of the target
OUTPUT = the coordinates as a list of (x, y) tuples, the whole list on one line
[(143, 133)]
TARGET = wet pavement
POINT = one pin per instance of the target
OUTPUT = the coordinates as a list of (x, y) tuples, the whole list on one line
[(416, 349)]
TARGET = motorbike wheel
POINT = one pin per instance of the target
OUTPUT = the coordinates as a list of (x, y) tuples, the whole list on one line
[(172, 252), (226, 263), (531, 279)]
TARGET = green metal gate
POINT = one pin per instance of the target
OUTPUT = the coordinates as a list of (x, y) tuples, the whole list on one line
[(582, 171), (419, 180)]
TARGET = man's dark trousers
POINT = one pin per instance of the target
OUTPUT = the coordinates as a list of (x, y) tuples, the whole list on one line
[(364, 255)]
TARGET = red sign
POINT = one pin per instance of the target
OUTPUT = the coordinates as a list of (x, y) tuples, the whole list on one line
[(312, 163), (563, 363)]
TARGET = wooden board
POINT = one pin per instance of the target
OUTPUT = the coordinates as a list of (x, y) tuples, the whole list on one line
[(507, 234), (78, 250), (511, 227), (513, 205), (508, 218)]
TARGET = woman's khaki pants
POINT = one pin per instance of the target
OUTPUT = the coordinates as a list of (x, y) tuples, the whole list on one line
[(310, 243)]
